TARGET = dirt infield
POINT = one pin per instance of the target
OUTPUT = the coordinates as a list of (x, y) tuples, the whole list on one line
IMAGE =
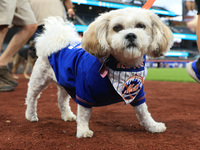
[(115, 126)]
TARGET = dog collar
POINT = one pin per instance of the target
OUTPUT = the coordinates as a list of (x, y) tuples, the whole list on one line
[(115, 65), (112, 63)]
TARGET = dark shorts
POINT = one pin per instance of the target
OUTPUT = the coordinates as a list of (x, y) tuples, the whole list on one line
[(198, 6)]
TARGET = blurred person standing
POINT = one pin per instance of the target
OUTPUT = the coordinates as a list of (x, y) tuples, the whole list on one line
[(193, 68), (190, 5), (20, 14), (48, 8)]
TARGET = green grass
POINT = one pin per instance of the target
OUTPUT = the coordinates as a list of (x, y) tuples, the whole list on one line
[(168, 74)]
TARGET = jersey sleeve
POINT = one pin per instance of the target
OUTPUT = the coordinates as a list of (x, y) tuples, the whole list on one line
[(140, 98)]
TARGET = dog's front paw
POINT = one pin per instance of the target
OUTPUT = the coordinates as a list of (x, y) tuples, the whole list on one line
[(84, 134), (26, 76), (156, 127), (68, 117), (15, 76), (31, 117)]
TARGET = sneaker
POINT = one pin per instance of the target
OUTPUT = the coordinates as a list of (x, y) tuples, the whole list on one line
[(192, 71), (6, 77), (5, 87), (190, 13), (194, 12)]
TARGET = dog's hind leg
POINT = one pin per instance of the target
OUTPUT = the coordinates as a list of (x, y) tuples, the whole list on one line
[(83, 117), (147, 121), (25, 71), (63, 104), (40, 78), (16, 63)]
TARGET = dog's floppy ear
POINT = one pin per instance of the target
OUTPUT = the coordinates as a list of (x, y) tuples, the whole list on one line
[(162, 37), (94, 39)]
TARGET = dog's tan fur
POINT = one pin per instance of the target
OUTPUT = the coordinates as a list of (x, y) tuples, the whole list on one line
[(97, 39)]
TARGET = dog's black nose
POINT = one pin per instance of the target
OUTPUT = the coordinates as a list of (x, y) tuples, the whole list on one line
[(131, 37)]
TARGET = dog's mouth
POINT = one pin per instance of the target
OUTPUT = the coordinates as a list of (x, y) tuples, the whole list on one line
[(131, 45)]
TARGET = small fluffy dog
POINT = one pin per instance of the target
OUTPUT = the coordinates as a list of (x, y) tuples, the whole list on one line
[(26, 57), (107, 67)]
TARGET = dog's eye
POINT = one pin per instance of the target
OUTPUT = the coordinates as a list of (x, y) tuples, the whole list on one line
[(117, 28), (140, 25)]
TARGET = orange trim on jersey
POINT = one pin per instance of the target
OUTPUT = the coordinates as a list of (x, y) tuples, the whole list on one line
[(139, 99), (83, 101)]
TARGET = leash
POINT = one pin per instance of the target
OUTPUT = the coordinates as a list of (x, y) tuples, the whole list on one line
[(148, 4)]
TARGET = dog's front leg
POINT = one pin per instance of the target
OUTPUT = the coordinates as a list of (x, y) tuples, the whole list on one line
[(147, 121), (83, 117), (63, 104)]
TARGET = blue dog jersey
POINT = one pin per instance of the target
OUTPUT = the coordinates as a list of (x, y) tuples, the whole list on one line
[(78, 72)]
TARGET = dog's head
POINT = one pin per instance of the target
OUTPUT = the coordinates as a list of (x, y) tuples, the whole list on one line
[(127, 34)]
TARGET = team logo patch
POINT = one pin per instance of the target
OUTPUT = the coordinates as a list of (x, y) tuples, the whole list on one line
[(131, 88)]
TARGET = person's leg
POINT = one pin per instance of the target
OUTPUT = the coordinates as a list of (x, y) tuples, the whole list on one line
[(17, 41), (4, 87), (7, 9), (188, 5), (198, 43), (198, 32), (3, 32), (18, 13), (192, 5), (193, 68)]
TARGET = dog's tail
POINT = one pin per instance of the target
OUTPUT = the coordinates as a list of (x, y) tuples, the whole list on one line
[(57, 34)]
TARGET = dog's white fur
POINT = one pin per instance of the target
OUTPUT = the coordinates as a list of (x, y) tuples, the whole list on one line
[(152, 38)]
